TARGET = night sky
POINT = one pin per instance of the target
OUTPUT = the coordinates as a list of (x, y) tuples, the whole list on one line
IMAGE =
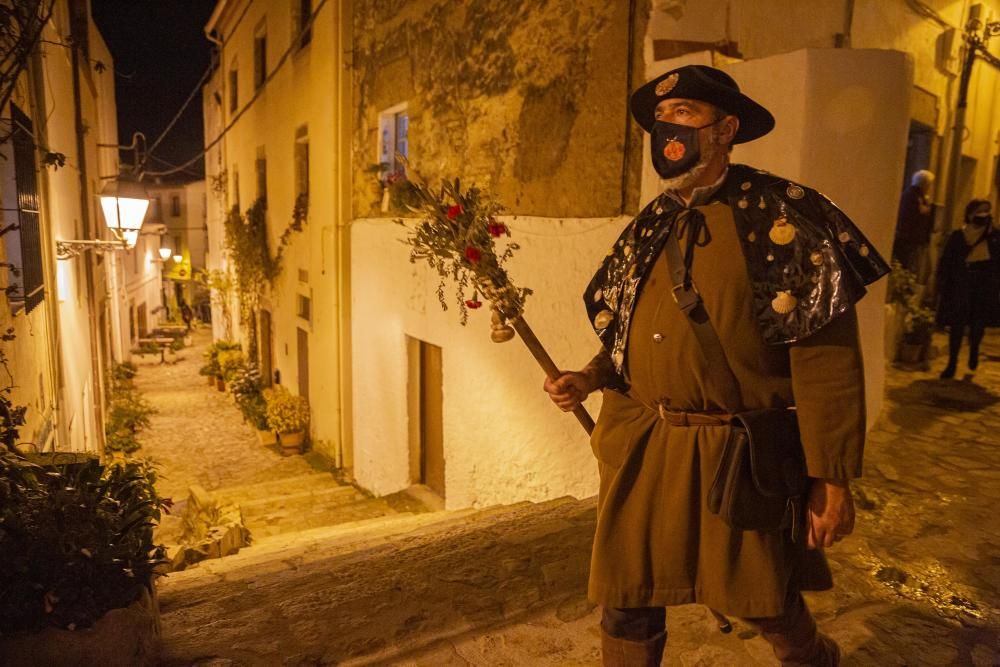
[(160, 53)]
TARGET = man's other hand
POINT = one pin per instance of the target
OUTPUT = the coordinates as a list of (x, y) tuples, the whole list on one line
[(829, 513), (569, 390)]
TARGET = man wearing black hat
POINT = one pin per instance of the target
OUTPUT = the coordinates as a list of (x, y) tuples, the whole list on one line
[(765, 274)]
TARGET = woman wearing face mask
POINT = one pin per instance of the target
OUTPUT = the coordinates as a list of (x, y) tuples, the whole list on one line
[(968, 283)]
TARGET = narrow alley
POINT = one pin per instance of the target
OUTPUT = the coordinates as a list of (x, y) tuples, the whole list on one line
[(915, 585), (206, 454)]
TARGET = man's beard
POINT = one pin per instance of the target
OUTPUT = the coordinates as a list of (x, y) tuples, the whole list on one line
[(691, 176)]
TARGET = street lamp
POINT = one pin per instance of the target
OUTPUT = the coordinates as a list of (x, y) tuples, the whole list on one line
[(165, 253), (124, 202), (178, 258)]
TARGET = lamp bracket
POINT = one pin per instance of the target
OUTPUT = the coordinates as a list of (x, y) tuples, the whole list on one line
[(71, 249)]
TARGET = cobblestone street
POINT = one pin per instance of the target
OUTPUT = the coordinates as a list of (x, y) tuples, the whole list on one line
[(917, 584)]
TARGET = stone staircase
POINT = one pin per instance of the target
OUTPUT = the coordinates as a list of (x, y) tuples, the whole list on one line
[(300, 503), (370, 590)]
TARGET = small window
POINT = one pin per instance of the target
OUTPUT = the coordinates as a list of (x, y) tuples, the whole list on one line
[(302, 161), (394, 127), (302, 14), (175, 205), (156, 208), (260, 56), (233, 89), (260, 164), (304, 307)]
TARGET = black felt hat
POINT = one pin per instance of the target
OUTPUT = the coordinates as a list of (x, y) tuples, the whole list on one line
[(706, 84)]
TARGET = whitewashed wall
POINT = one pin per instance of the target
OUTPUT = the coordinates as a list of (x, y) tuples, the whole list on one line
[(503, 438)]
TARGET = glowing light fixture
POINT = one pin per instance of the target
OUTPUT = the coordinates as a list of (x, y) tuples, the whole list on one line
[(165, 253), (124, 202), (178, 258)]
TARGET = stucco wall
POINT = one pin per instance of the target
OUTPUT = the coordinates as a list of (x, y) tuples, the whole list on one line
[(528, 98), (504, 440)]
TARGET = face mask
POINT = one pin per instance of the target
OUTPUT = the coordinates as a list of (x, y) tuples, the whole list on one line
[(675, 147), (981, 220)]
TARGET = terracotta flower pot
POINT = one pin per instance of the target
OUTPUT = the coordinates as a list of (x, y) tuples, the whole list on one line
[(291, 443), (912, 353), (210, 379), (220, 384), (121, 638), (267, 437)]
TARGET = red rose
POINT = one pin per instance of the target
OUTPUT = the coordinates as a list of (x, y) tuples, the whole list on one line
[(473, 303), (497, 229), (455, 211), (473, 255)]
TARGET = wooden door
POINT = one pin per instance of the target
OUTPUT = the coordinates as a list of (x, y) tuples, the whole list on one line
[(431, 419), (303, 347), (266, 360), (143, 326)]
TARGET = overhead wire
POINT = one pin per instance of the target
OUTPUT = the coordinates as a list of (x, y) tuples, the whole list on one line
[(281, 61)]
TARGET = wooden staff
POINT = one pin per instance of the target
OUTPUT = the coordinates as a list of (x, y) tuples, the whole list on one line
[(549, 366)]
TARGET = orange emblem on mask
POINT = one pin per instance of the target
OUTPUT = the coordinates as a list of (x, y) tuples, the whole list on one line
[(674, 150)]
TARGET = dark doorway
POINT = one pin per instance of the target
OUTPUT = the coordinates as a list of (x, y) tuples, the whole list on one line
[(303, 349), (920, 147), (426, 415), (141, 316), (266, 360)]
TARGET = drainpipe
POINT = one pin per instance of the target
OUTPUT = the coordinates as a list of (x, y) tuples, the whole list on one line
[(96, 395)]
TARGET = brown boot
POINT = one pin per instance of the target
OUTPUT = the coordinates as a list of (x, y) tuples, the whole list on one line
[(627, 653), (795, 641)]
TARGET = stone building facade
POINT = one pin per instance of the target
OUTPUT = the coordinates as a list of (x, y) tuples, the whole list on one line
[(69, 316)]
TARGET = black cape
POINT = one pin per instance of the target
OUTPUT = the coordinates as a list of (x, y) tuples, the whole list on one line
[(824, 268)]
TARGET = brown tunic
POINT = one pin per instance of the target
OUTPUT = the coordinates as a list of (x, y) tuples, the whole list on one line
[(656, 543)]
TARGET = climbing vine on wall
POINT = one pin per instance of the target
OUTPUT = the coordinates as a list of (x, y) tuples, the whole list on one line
[(256, 269)]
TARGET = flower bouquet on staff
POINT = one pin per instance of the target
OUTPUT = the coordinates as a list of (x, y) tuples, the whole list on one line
[(459, 236)]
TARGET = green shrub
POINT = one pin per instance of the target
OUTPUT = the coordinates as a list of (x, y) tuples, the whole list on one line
[(128, 415), (77, 541), (211, 366), (231, 363)]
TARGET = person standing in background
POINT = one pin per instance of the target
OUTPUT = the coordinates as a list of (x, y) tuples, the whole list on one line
[(914, 224), (968, 283)]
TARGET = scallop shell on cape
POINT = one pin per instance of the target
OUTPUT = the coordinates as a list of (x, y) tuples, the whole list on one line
[(784, 303), (603, 319), (781, 232)]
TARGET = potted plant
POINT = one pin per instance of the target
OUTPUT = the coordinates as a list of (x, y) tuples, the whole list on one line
[(80, 563), (231, 363), (917, 330), (287, 414), (212, 367), (247, 387)]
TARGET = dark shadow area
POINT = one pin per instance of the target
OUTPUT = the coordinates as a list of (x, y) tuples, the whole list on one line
[(919, 403), (908, 635)]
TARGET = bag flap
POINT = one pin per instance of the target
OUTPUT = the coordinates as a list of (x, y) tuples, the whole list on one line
[(777, 462)]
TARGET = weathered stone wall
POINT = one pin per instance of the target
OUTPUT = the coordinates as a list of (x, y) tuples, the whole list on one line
[(528, 98)]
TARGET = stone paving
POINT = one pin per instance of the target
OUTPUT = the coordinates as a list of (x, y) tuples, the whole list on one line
[(917, 584), (198, 437)]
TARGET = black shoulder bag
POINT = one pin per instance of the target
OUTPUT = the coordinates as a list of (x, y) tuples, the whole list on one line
[(761, 476)]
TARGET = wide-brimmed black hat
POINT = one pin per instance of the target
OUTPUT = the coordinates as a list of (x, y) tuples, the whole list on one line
[(706, 84)]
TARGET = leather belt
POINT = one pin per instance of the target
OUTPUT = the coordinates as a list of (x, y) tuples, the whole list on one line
[(683, 418)]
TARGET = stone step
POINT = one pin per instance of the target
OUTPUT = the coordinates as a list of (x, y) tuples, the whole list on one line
[(273, 553), (247, 492), (305, 514), (329, 496)]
